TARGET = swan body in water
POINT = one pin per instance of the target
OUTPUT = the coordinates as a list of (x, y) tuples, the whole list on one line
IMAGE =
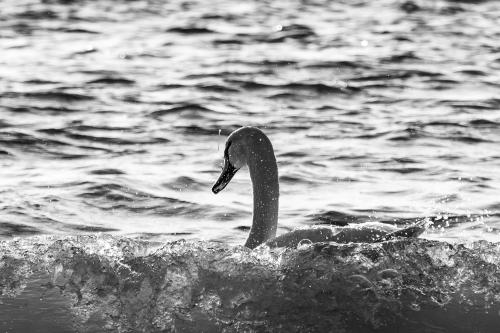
[(251, 147)]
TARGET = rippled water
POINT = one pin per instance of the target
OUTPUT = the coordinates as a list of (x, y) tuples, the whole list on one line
[(114, 114)]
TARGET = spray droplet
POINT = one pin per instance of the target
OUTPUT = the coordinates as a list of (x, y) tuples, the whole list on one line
[(218, 144), (304, 244)]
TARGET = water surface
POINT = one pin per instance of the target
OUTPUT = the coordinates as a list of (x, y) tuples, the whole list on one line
[(113, 114)]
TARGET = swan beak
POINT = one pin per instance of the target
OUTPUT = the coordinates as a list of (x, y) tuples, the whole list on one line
[(225, 177)]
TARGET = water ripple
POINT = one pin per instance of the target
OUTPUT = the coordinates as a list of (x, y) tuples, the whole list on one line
[(119, 111)]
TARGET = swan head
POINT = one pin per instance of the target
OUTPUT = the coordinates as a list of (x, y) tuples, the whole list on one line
[(235, 156), (241, 146)]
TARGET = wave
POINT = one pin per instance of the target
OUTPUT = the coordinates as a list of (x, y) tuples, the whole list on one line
[(16, 229), (60, 96), (191, 30), (113, 196), (184, 109), (316, 87), (126, 285), (112, 80), (18, 143), (107, 172), (49, 110), (71, 143)]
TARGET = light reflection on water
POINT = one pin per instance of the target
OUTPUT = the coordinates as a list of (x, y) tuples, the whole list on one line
[(111, 114)]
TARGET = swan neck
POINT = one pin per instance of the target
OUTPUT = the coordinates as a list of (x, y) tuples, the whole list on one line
[(264, 176)]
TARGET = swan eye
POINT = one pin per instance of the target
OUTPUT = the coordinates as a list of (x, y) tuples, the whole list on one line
[(226, 151), (235, 154), (227, 159)]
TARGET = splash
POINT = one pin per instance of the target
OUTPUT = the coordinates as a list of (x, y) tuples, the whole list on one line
[(126, 285)]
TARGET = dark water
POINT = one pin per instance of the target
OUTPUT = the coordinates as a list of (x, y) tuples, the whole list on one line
[(113, 115), (110, 284)]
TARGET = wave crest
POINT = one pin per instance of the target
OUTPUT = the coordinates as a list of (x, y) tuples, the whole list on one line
[(132, 286)]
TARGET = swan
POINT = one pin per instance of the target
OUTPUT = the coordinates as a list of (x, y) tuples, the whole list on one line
[(251, 147)]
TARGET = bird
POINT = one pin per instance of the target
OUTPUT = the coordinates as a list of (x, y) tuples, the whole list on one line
[(250, 146)]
